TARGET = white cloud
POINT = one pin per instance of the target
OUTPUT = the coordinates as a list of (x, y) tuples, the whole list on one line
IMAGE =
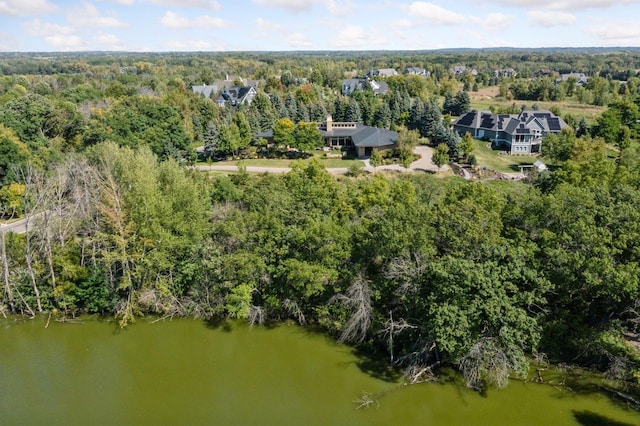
[(497, 21), (290, 5), (621, 32), (433, 14), (199, 4), (26, 7), (568, 5), (8, 43), (295, 40), (88, 15), (264, 25), (356, 37), (176, 21), (403, 23), (111, 41), (299, 41), (59, 37), (550, 19), (191, 45), (43, 29), (341, 7), (66, 42)]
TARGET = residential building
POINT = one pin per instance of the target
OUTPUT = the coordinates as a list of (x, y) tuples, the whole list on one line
[(505, 72), (417, 71), (518, 133), (581, 78), (462, 69), (382, 72), (351, 85), (237, 95), (351, 135)]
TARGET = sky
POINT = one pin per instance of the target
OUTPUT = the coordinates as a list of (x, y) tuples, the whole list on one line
[(286, 25)]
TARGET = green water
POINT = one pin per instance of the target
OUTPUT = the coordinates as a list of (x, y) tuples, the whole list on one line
[(186, 373)]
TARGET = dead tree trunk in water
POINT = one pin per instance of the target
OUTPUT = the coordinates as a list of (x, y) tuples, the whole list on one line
[(5, 272)]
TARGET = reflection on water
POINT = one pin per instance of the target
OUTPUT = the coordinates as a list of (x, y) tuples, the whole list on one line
[(190, 372)]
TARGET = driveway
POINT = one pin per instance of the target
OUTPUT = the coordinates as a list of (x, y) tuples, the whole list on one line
[(423, 164)]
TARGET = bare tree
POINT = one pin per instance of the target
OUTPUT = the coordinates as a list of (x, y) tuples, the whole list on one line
[(293, 309), (486, 363), (392, 328), (358, 299), (5, 271), (256, 315)]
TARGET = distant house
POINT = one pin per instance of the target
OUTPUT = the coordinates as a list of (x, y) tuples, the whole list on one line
[(416, 71), (351, 85), (237, 95), (505, 72), (462, 69), (205, 90), (350, 135), (218, 86), (581, 78), (382, 72), (519, 133), (543, 72)]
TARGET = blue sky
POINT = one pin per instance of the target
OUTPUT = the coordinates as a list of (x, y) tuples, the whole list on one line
[(227, 25)]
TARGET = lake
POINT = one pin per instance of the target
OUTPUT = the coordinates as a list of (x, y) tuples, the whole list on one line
[(189, 372)]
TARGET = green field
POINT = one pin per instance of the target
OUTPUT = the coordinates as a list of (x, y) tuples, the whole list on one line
[(487, 97), (492, 159)]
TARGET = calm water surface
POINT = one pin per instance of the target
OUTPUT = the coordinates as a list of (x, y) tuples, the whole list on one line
[(184, 372)]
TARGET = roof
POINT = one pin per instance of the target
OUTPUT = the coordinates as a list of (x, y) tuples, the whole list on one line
[(205, 90), (524, 123), (361, 135), (373, 137), (353, 84)]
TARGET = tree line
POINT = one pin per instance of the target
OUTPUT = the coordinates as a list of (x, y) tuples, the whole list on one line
[(425, 272)]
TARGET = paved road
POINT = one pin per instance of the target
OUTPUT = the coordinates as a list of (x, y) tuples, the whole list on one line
[(424, 163), (19, 226)]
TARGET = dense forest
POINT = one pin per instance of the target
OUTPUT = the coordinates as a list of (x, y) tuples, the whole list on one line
[(422, 270)]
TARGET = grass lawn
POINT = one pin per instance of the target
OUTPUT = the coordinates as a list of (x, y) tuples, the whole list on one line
[(487, 97), (490, 159), (329, 163)]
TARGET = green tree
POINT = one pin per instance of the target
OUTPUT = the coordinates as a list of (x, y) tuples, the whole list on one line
[(307, 136), (13, 154), (466, 145), (441, 155), (284, 132), (376, 159)]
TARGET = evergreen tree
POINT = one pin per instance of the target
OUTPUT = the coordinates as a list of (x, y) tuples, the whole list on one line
[(382, 117), (352, 112)]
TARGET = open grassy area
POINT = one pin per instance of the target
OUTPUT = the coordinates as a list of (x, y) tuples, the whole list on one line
[(492, 159), (488, 97)]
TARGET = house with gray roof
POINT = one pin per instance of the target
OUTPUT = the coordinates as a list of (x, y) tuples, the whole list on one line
[(416, 71), (518, 133), (505, 72), (237, 95), (462, 69), (350, 85), (351, 135), (580, 77), (382, 72)]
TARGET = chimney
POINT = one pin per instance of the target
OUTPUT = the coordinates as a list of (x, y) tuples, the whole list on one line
[(329, 123)]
